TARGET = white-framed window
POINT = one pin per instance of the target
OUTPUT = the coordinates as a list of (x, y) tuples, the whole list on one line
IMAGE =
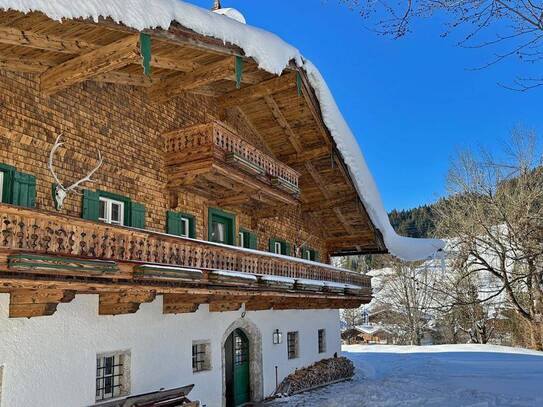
[(1, 185), (322, 340), (185, 227), (111, 211), (241, 239), (112, 375), (201, 356), (292, 345), (277, 247)]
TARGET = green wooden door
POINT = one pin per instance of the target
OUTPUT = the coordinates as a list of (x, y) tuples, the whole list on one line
[(241, 368)]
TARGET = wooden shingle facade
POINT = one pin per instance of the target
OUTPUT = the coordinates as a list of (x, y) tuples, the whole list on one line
[(216, 176)]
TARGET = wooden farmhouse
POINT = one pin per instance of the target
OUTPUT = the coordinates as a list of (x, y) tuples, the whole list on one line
[(170, 203)]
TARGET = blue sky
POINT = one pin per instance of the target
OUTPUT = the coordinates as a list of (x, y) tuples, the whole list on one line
[(412, 103)]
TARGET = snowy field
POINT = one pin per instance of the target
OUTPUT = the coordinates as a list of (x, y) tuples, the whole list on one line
[(445, 375)]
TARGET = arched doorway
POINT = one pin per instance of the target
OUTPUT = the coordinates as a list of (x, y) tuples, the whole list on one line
[(236, 352), (254, 340)]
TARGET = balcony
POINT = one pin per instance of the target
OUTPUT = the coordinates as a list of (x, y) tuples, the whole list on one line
[(213, 161), (45, 250)]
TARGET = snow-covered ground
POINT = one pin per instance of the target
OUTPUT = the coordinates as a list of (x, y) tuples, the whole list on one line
[(440, 376)]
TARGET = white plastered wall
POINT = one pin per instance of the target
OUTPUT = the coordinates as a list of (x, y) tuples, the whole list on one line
[(51, 361)]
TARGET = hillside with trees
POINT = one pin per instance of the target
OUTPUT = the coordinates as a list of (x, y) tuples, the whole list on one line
[(416, 222)]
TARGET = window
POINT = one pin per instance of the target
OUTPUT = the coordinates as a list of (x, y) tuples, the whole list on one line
[(310, 254), (221, 226), (111, 211), (112, 208), (201, 356), (17, 188), (181, 224), (322, 340), (185, 227), (112, 375), (279, 246), (292, 345), (247, 239)]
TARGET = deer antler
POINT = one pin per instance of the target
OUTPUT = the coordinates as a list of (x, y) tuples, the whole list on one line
[(60, 190), (57, 144), (87, 178)]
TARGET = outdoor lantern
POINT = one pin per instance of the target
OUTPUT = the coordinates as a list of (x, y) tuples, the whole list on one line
[(277, 337)]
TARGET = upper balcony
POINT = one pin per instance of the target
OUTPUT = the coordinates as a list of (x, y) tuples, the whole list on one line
[(64, 255), (211, 160)]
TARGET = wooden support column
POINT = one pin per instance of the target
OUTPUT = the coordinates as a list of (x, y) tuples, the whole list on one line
[(93, 63), (25, 303), (123, 302)]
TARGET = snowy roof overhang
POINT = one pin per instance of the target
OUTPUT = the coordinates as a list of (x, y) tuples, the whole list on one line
[(361, 220)]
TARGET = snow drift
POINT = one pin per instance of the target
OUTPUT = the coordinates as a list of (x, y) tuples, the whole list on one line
[(273, 55)]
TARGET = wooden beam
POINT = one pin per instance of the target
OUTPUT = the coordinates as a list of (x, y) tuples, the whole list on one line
[(318, 179), (346, 225), (124, 78), (310, 154), (249, 94), (325, 205), (28, 303), (283, 123), (14, 36), (181, 303), (254, 130), (93, 63), (224, 306), (23, 64), (125, 302), (178, 84)]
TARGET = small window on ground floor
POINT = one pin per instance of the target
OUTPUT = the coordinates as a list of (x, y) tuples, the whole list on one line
[(112, 375), (201, 356), (322, 340), (292, 345)]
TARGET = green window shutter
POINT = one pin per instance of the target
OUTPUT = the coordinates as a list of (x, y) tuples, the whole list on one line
[(316, 256), (192, 227), (9, 171), (173, 223), (271, 246), (252, 241), (285, 248), (23, 191), (304, 253), (137, 215), (91, 204)]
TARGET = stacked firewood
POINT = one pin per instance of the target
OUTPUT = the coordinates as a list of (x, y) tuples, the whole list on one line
[(319, 374)]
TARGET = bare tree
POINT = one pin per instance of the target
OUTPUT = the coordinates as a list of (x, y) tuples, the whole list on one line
[(513, 27), (495, 222)]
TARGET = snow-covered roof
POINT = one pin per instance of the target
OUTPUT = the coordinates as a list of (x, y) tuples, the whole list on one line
[(272, 54), (371, 329)]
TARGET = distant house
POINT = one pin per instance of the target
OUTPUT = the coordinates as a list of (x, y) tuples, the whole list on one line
[(367, 334)]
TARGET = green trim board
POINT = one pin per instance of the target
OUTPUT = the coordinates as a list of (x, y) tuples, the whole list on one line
[(145, 51), (59, 264), (228, 220)]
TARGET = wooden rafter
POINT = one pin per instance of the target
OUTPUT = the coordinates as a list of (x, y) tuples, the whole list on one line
[(249, 94), (30, 39), (282, 121), (308, 154), (118, 303), (178, 84), (124, 78), (100, 61), (253, 129)]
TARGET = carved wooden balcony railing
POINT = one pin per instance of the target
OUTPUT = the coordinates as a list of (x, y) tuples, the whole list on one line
[(213, 160), (36, 232)]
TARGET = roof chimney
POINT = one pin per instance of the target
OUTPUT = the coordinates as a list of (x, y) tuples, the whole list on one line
[(216, 5)]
